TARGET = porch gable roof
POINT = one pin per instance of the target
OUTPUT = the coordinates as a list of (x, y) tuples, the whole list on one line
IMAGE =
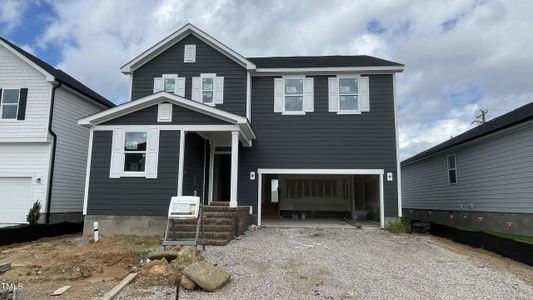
[(136, 105)]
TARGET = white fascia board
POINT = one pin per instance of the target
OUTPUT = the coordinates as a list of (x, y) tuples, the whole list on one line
[(176, 37), (150, 100), (48, 77), (307, 71), (322, 171)]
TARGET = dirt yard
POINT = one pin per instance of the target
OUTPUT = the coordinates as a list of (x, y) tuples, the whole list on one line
[(42, 266), (288, 263)]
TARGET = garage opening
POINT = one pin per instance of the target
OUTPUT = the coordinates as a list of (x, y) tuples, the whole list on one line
[(314, 196)]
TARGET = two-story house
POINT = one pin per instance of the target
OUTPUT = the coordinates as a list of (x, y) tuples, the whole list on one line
[(281, 136), (43, 151)]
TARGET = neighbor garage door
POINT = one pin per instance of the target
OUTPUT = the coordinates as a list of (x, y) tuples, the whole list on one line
[(15, 199)]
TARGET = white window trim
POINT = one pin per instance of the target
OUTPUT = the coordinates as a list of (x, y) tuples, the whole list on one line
[(450, 169), (9, 104), (285, 112), (170, 76), (212, 76), (124, 152), (348, 112)]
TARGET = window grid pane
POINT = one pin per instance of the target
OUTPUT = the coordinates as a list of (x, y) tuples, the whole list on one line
[(135, 141), (348, 102), (170, 85), (9, 111), (293, 103), (134, 162), (10, 96)]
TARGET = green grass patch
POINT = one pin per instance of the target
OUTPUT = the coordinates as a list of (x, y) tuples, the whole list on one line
[(402, 226)]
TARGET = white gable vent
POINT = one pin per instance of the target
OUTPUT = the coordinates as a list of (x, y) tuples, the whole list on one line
[(189, 55), (164, 112)]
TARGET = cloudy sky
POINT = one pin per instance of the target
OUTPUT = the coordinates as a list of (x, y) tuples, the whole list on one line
[(460, 56)]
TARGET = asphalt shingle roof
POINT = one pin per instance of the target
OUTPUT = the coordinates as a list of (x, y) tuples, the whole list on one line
[(321, 61), (517, 116), (61, 76)]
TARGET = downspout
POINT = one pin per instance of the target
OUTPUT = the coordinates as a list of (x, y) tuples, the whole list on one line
[(54, 143)]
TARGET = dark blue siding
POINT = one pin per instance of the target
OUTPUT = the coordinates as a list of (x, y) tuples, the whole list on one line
[(321, 139), (133, 196), (208, 60)]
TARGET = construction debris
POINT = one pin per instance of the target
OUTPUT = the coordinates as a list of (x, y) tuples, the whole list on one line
[(115, 290), (60, 290), (4, 267)]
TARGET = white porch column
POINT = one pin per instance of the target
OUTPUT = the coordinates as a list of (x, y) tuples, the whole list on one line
[(234, 168)]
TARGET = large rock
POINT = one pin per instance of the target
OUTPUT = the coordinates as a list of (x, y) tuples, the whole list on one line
[(168, 255), (187, 283), (186, 256), (206, 276)]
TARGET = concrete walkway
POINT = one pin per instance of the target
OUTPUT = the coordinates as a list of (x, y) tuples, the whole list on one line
[(317, 223)]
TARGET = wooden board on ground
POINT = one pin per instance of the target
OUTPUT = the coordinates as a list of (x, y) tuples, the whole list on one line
[(114, 291), (5, 267)]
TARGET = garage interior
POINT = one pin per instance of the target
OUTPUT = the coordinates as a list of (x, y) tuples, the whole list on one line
[(298, 197)]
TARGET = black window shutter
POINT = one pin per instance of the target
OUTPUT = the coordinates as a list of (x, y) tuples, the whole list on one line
[(21, 115)]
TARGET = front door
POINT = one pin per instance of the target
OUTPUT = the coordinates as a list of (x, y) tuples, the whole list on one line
[(222, 177)]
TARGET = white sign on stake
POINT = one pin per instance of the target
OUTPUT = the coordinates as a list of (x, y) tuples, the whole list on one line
[(184, 207)]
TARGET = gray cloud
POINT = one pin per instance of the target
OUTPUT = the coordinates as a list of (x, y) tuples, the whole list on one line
[(460, 55)]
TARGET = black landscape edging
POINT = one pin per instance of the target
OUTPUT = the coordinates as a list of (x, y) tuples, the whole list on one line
[(512, 249), (28, 233)]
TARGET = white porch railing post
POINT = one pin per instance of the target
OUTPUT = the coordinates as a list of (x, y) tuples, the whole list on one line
[(234, 168)]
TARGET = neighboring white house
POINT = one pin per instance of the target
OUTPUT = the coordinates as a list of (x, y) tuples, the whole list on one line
[(43, 152)]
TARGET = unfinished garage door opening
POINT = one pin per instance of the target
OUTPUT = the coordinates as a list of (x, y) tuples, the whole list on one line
[(314, 194)]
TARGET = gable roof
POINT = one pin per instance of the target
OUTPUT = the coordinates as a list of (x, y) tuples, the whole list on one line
[(321, 61), (136, 105), (517, 116), (55, 74), (176, 37)]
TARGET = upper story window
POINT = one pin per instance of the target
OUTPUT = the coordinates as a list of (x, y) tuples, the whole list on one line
[(9, 103), (348, 94), (208, 89), (452, 169), (293, 95), (170, 83), (135, 151)]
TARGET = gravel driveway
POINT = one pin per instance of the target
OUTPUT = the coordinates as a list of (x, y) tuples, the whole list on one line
[(300, 263)]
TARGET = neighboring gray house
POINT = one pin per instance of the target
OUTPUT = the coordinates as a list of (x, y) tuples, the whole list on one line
[(481, 179), (43, 151), (276, 135)]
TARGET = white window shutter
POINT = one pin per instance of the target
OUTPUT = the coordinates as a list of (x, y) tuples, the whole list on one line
[(196, 93), (308, 95), (219, 90), (158, 84), (278, 95), (180, 86), (152, 152), (117, 154), (164, 112), (333, 94), (364, 94)]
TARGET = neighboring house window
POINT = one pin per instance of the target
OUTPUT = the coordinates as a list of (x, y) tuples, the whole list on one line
[(9, 103), (452, 169), (135, 151), (294, 95), (348, 94), (208, 88)]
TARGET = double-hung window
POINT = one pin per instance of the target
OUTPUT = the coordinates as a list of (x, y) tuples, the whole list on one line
[(135, 151), (452, 169), (208, 89), (9, 104), (169, 83), (348, 94), (294, 95)]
